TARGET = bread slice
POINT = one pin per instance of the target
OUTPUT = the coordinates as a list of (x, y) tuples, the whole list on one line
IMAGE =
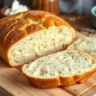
[(87, 44), (29, 35), (60, 69)]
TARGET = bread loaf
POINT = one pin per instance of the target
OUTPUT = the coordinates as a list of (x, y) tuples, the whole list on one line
[(87, 44), (29, 35), (60, 69)]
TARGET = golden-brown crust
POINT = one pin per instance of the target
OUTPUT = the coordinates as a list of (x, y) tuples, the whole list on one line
[(67, 81), (57, 81), (10, 25), (44, 83), (60, 80), (33, 28), (6, 19), (16, 27)]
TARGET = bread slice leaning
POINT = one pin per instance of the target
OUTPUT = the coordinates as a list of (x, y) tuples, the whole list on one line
[(87, 44), (29, 35), (60, 69)]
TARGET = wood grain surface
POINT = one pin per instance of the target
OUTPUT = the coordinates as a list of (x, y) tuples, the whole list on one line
[(13, 83)]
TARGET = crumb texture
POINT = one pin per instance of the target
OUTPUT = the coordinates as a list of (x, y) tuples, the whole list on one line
[(29, 35), (87, 44), (40, 44), (66, 63)]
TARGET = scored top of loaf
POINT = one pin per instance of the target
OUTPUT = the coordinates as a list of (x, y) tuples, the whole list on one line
[(14, 28)]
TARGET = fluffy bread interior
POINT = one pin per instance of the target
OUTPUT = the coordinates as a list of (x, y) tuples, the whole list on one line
[(65, 63), (39, 44), (86, 44)]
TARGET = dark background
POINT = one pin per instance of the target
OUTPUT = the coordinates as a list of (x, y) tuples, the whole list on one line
[(78, 7), (9, 2)]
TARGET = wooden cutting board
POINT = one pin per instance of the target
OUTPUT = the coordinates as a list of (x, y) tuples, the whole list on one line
[(13, 82)]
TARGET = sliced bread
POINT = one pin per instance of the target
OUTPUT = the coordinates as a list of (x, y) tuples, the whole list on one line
[(87, 44), (60, 69)]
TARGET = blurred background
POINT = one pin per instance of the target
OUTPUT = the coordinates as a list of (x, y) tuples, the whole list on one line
[(76, 12), (79, 7)]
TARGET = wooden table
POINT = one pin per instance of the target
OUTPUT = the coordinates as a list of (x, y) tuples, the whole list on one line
[(78, 21), (13, 82)]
